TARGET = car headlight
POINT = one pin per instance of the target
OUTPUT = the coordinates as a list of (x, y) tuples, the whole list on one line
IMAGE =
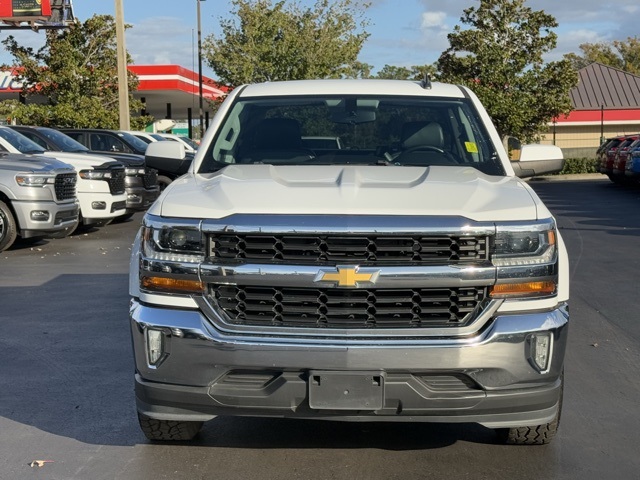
[(526, 258), (173, 244), (34, 180), (135, 171), (171, 255), (523, 248), (95, 175)]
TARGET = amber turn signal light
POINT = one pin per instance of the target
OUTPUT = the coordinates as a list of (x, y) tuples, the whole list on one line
[(166, 285), (527, 289)]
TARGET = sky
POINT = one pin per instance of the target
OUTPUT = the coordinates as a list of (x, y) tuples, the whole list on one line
[(402, 32)]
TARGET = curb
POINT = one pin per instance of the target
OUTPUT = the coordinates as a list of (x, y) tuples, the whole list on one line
[(570, 177)]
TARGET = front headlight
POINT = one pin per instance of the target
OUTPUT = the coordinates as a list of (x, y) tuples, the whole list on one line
[(34, 180), (174, 244), (134, 171), (171, 256), (521, 248), (94, 175), (526, 257)]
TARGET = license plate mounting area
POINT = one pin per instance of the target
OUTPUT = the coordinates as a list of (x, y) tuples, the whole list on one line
[(346, 390)]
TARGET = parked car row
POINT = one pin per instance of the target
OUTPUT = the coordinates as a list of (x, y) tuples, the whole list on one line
[(168, 171), (120, 144), (53, 181), (619, 158)]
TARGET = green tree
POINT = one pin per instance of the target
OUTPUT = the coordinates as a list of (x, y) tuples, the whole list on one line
[(500, 57), (76, 72), (286, 41), (621, 54), (416, 72)]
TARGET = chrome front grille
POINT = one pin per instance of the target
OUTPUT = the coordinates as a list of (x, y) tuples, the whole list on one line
[(65, 186), (363, 249), (347, 308)]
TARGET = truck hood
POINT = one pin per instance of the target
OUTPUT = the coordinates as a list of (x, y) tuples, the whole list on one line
[(350, 190), (80, 160), (128, 159), (19, 163)]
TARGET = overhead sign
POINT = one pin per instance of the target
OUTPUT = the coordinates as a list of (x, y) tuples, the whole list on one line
[(35, 14), (15, 11), (10, 82)]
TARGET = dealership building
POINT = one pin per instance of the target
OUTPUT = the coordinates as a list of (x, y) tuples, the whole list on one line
[(167, 92), (606, 104)]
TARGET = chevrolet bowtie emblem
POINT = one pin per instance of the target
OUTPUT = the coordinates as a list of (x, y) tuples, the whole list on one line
[(348, 276)]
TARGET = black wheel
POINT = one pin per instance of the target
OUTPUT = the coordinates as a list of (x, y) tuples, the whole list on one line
[(168, 430), (532, 435), (163, 182), (8, 227)]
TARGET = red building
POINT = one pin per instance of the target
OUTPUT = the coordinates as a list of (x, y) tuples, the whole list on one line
[(168, 91), (606, 103)]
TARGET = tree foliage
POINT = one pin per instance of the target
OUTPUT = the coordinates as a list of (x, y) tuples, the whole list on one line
[(76, 73), (415, 72), (620, 54), (500, 57), (287, 41)]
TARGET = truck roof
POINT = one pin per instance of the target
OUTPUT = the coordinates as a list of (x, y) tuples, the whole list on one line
[(351, 86)]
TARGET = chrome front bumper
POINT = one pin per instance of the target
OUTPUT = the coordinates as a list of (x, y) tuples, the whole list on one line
[(487, 377)]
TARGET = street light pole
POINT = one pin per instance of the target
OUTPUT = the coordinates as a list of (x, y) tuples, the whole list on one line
[(200, 71), (123, 83)]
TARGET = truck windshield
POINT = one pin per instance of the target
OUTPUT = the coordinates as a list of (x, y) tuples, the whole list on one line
[(64, 142), (20, 142), (137, 145), (340, 130)]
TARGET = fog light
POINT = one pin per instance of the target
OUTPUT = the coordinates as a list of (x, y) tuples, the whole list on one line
[(99, 205), (155, 346), (39, 215), (541, 350)]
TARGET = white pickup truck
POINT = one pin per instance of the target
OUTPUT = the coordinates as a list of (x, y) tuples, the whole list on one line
[(37, 198), (100, 180), (409, 275)]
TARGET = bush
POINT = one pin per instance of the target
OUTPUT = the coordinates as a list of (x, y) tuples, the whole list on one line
[(578, 165)]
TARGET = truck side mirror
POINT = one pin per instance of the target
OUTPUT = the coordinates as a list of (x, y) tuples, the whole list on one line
[(538, 160), (166, 150)]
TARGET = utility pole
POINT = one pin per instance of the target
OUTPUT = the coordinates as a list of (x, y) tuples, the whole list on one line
[(200, 94), (123, 84)]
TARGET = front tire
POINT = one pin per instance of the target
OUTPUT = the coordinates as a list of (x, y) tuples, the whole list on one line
[(8, 227), (163, 182), (168, 430), (532, 435)]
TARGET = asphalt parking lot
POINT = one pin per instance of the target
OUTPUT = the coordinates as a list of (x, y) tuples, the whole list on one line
[(67, 375)]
